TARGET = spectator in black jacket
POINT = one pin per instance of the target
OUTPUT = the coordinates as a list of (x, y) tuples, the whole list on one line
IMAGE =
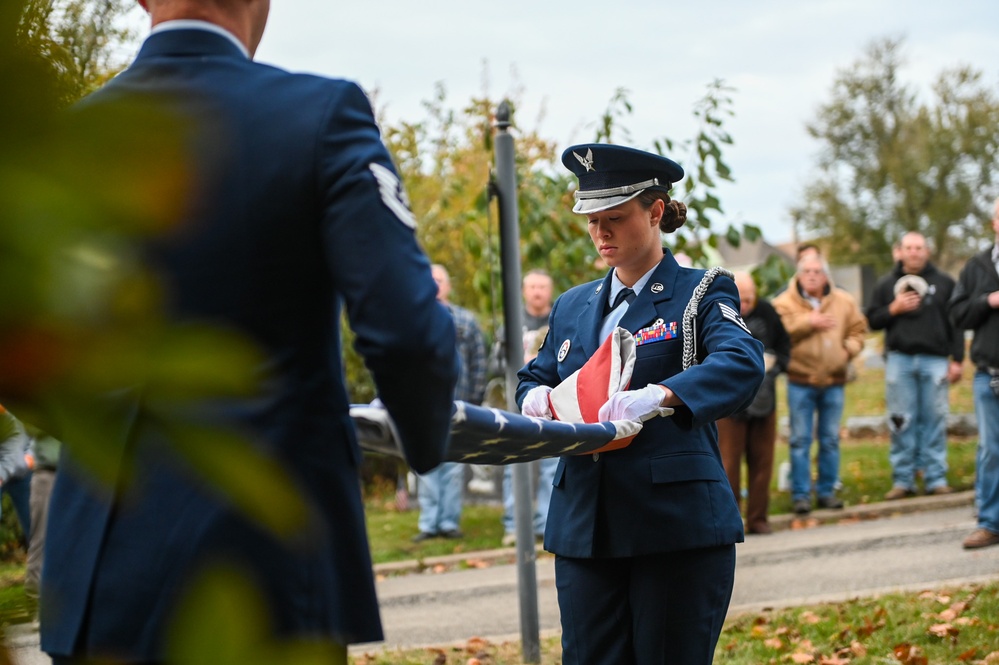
[(751, 433), (924, 353), (975, 306)]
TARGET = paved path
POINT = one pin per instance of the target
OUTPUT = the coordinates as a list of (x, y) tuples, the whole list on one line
[(859, 557)]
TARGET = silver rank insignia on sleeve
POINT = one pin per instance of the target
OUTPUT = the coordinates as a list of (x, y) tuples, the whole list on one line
[(392, 193), (733, 316)]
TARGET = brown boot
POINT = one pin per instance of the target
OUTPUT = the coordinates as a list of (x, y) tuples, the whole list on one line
[(981, 538)]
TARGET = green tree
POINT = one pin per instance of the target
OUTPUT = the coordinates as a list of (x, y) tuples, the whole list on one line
[(83, 40), (891, 162)]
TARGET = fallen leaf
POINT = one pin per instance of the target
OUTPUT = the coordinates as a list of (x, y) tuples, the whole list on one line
[(759, 631), (439, 568), (858, 649), (834, 660), (810, 617), (943, 630), (774, 643), (910, 654), (477, 563), (991, 659), (802, 658), (968, 655), (475, 644)]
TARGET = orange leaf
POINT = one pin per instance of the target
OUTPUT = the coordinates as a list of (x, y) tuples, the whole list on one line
[(802, 658), (943, 630)]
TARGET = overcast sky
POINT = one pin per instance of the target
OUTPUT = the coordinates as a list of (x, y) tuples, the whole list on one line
[(568, 58)]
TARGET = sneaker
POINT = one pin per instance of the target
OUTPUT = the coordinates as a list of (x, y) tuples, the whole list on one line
[(761, 528), (981, 538), (480, 486), (509, 539), (940, 490), (802, 506), (832, 502), (898, 493), (451, 534)]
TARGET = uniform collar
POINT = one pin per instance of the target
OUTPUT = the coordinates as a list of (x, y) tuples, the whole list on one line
[(616, 285), (189, 37)]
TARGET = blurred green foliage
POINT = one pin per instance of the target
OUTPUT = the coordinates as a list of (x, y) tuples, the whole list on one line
[(893, 160)]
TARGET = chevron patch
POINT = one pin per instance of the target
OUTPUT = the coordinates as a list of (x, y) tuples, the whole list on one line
[(733, 316)]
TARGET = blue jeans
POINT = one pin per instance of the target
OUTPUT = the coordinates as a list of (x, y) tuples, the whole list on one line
[(546, 474), (803, 402), (916, 392), (987, 468), (439, 494)]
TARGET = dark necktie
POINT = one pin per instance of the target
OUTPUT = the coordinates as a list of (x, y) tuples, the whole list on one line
[(622, 295)]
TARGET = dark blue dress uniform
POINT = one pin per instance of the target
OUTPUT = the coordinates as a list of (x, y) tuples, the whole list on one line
[(300, 212), (644, 536)]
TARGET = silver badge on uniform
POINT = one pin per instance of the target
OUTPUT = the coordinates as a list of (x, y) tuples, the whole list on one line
[(656, 288), (563, 350)]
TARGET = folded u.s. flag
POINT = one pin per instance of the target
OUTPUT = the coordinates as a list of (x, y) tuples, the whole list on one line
[(578, 399), (490, 436)]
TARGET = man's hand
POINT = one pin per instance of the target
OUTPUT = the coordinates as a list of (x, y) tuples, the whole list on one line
[(954, 371), (638, 405), (904, 302), (536, 404), (820, 321), (993, 300)]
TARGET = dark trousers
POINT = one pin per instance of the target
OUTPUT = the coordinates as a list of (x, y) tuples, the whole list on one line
[(658, 609), (752, 438)]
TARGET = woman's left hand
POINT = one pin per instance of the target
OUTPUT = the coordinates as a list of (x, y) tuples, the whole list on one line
[(535, 403)]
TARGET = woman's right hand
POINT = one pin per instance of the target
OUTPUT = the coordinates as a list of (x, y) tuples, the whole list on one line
[(535, 403)]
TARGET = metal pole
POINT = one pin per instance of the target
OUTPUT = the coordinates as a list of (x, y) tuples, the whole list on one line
[(506, 185)]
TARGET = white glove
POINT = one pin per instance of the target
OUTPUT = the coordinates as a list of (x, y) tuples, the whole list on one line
[(535, 403), (638, 405)]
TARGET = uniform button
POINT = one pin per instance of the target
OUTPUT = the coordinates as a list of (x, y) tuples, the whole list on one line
[(596, 457)]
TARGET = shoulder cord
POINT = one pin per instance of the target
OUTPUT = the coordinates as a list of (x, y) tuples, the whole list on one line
[(690, 315)]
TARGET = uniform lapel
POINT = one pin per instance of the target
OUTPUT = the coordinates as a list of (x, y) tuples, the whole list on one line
[(642, 312), (589, 320)]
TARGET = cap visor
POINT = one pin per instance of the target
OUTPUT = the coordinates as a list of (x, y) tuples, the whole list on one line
[(586, 206)]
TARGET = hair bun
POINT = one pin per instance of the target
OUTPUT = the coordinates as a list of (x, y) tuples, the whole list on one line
[(674, 216)]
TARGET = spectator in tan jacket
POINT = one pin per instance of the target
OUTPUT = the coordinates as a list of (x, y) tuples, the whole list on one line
[(827, 331)]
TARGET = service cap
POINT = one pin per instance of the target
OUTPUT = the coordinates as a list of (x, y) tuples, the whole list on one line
[(610, 175)]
